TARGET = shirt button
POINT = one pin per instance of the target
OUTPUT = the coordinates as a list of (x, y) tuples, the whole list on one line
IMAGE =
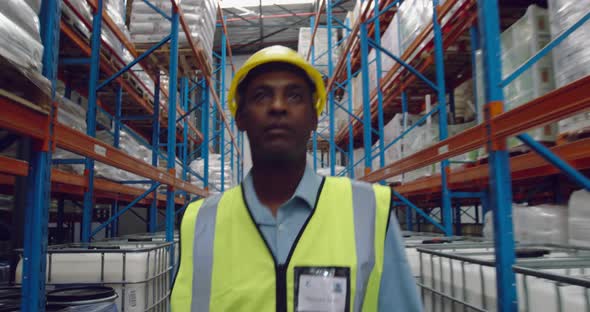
[(281, 227)]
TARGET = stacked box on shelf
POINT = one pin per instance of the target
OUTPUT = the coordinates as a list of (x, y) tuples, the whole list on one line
[(571, 58), (579, 218), (115, 10), (320, 47), (214, 172), (520, 42), (20, 41), (543, 224), (390, 42), (148, 26)]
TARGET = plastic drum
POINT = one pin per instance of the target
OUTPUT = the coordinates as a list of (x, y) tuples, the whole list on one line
[(87, 296)]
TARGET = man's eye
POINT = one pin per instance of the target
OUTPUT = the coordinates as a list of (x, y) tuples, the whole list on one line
[(295, 98), (259, 96)]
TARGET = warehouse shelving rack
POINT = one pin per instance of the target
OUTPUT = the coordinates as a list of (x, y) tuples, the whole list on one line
[(411, 75), (128, 109)]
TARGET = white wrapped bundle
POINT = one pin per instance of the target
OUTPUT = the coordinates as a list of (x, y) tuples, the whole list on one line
[(16, 43), (539, 224), (71, 114), (320, 44), (22, 15), (390, 42), (520, 42), (148, 26), (571, 58), (214, 172), (579, 218)]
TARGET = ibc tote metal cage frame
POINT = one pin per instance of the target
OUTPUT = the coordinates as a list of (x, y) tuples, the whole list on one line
[(46, 133), (492, 181)]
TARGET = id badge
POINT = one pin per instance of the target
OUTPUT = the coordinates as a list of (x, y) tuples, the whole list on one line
[(322, 289)]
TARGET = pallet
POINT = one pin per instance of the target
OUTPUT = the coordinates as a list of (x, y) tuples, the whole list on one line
[(576, 135), (29, 91)]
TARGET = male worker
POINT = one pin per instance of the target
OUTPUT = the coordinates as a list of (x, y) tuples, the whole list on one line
[(287, 239)]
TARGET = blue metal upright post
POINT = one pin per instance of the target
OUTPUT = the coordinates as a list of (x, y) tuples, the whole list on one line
[(184, 87), (409, 223), (171, 140), (205, 131), (39, 178), (153, 219), (91, 119), (474, 40), (331, 113), (117, 119), (367, 134), (447, 213), (350, 107), (314, 137), (404, 121), (223, 105), (377, 30), (115, 223), (60, 220), (499, 165)]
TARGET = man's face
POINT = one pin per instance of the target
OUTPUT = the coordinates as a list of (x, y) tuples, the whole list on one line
[(277, 115)]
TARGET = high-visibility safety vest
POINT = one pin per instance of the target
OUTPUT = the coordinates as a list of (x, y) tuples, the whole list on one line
[(226, 264)]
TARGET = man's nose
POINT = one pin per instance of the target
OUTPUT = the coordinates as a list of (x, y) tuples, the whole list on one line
[(278, 105)]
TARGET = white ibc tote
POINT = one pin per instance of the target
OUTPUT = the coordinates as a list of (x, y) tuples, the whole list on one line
[(464, 278), (139, 272)]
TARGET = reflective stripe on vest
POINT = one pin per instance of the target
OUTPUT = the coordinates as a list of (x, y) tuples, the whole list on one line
[(226, 264)]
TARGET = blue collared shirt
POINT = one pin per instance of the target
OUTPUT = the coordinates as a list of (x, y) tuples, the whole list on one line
[(398, 291)]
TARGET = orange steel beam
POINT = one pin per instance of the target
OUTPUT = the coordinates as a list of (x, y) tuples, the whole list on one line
[(27, 121), (525, 166), (554, 106), (315, 26), (224, 29), (13, 166), (75, 184)]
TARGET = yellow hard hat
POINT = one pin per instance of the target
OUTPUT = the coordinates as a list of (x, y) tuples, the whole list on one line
[(278, 54)]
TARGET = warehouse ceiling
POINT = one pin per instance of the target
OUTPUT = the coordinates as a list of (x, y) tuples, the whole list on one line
[(255, 24)]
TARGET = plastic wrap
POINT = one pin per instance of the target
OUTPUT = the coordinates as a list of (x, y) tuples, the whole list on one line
[(18, 47), (22, 15), (148, 26), (520, 42), (390, 42), (115, 10), (198, 166), (579, 218), (35, 5), (546, 224), (320, 46), (71, 114), (571, 58)]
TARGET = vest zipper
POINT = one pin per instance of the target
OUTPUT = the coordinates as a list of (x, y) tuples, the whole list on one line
[(281, 269), (281, 287)]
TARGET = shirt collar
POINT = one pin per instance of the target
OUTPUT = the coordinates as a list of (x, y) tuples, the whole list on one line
[(307, 189)]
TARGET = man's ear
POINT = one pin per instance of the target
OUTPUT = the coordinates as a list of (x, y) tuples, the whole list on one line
[(240, 119), (314, 113)]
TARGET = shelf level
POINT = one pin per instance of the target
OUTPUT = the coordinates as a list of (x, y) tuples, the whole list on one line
[(29, 122), (554, 106), (523, 167)]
